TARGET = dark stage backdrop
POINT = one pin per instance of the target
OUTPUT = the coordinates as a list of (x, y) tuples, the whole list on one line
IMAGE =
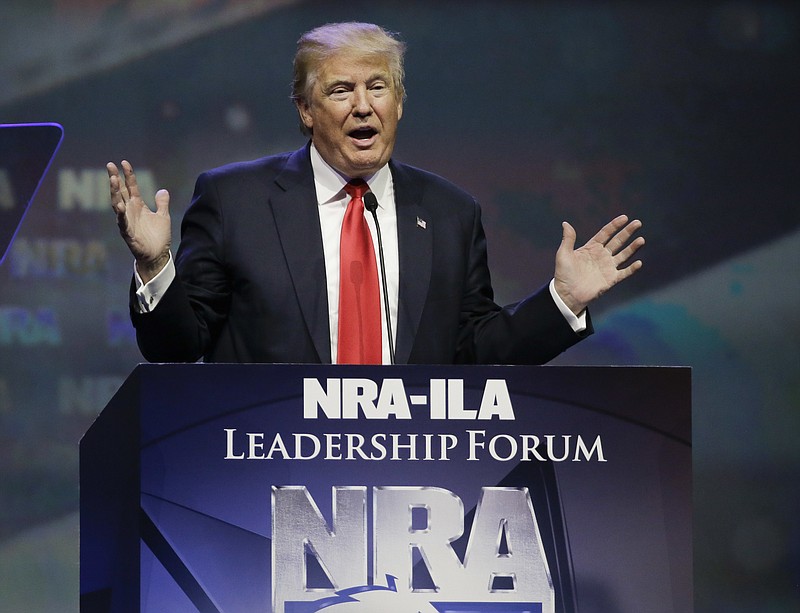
[(682, 114)]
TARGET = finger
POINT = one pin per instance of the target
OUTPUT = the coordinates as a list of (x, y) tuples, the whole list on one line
[(610, 229), (568, 236), (162, 202), (624, 273), (626, 254), (619, 240), (114, 186), (130, 179)]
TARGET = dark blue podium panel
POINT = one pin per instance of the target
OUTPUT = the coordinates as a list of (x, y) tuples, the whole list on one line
[(295, 489)]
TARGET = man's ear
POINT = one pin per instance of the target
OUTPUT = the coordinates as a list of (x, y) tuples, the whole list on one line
[(305, 114)]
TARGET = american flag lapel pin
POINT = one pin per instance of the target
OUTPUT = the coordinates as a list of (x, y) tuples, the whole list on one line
[(421, 223)]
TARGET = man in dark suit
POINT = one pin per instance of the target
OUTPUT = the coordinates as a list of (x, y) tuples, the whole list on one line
[(257, 275)]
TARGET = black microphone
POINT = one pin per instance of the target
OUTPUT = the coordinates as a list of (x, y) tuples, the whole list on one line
[(371, 204)]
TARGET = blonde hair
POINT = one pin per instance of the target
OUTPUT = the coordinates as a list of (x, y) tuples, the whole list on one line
[(352, 38)]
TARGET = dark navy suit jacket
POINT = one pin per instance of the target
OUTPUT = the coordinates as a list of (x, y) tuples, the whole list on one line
[(250, 283)]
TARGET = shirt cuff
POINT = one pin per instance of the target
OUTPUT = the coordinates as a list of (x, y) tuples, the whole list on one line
[(149, 294), (576, 322)]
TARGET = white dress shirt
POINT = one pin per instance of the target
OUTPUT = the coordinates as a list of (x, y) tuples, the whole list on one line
[(332, 201)]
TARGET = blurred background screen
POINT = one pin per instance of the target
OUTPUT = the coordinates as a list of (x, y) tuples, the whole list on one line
[(683, 114)]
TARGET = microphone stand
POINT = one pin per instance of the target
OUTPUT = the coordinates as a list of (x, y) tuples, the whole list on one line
[(371, 204)]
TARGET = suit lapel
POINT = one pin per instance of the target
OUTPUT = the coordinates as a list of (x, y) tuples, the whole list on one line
[(415, 246), (294, 207)]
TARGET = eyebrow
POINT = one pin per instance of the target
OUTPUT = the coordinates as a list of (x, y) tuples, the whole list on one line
[(377, 76)]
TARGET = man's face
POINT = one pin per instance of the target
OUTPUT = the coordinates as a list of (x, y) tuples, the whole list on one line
[(353, 110)]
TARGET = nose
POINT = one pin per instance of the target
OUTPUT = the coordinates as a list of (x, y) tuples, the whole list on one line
[(361, 102)]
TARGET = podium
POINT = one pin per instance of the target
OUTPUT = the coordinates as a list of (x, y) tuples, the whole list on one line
[(300, 488)]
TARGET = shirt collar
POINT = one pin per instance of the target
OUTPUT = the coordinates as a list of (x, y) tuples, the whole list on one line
[(329, 183)]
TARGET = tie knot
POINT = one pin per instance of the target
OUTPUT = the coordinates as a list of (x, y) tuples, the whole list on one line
[(356, 188)]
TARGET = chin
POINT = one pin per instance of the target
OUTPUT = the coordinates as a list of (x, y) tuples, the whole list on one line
[(362, 168)]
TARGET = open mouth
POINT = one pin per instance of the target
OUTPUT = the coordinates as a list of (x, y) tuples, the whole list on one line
[(362, 134)]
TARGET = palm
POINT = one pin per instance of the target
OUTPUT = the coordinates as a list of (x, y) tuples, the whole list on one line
[(584, 274), (148, 234)]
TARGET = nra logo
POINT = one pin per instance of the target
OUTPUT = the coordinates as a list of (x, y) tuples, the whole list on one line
[(412, 534), (355, 398)]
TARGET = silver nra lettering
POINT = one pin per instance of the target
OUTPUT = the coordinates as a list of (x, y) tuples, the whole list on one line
[(504, 559), (299, 529)]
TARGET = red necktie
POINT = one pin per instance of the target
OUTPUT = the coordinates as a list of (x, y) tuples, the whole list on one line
[(359, 295)]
